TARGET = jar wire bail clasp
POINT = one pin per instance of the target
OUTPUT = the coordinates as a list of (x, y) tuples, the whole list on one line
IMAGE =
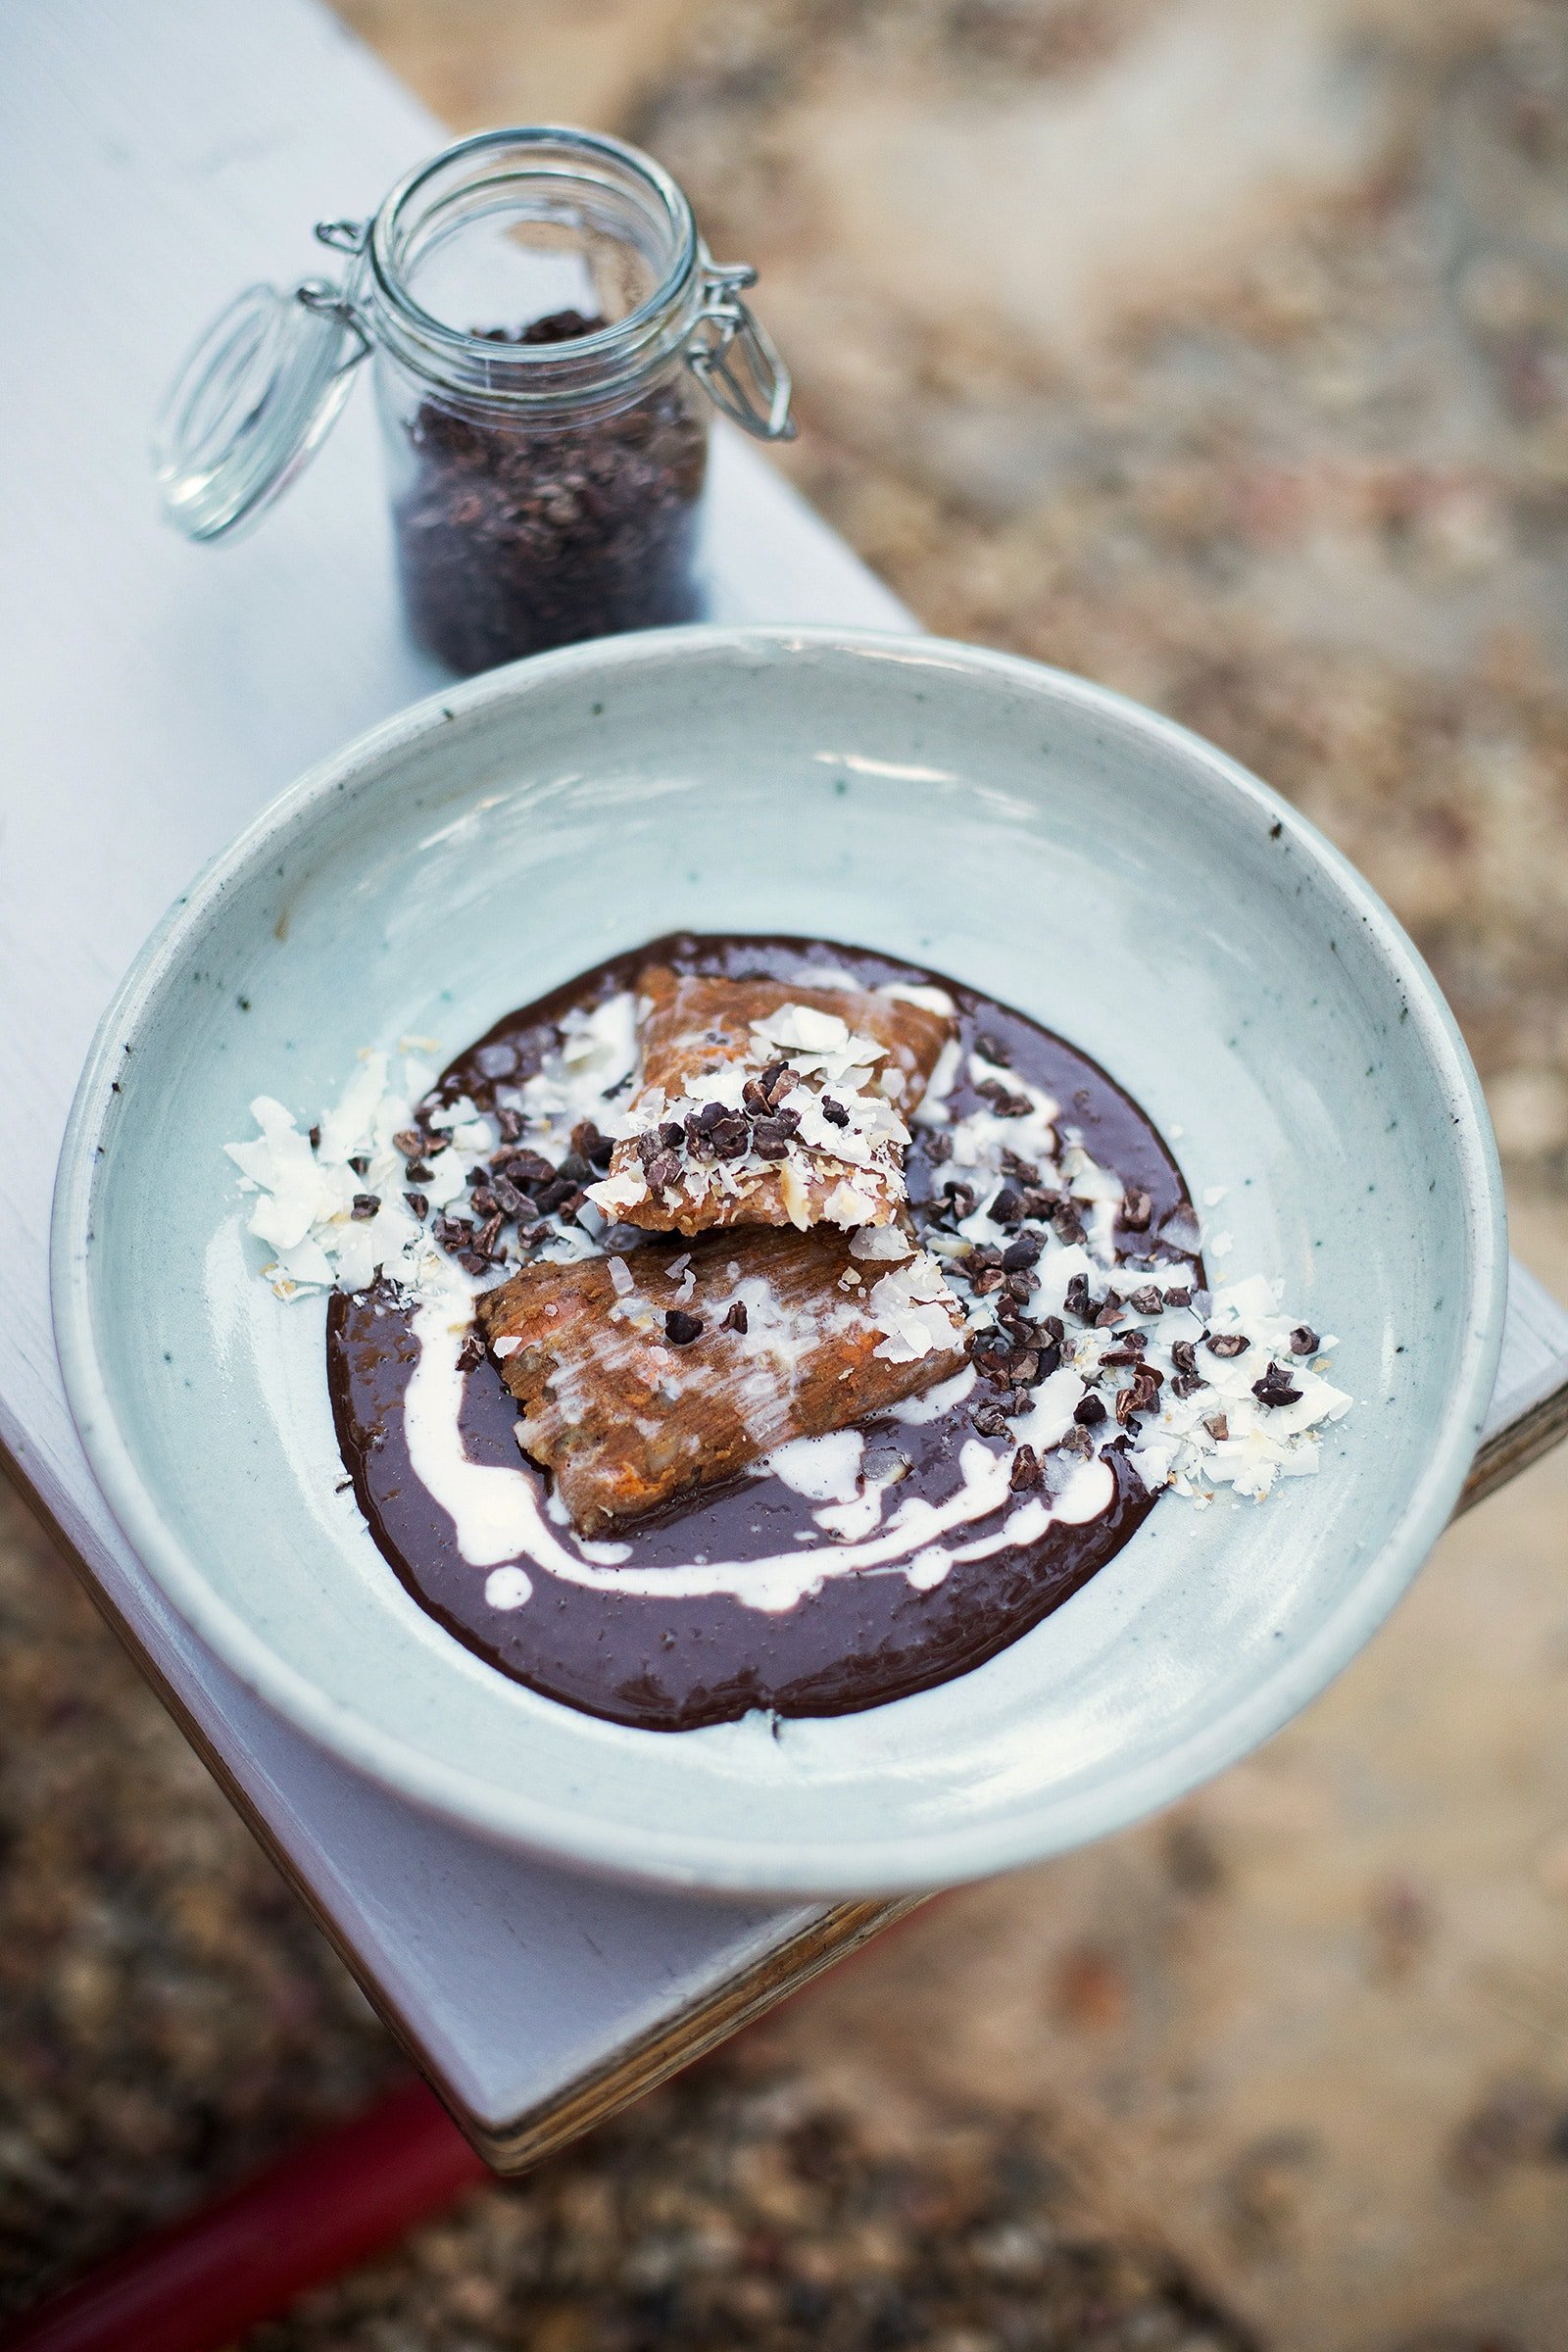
[(329, 301), (734, 358)]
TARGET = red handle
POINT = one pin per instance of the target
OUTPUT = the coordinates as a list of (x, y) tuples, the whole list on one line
[(204, 2281)]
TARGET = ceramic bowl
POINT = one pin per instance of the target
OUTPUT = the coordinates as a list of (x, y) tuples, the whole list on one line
[(1024, 831)]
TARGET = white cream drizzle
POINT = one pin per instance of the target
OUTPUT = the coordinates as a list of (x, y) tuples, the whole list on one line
[(500, 1518), (303, 1209), (508, 1588), (825, 1469)]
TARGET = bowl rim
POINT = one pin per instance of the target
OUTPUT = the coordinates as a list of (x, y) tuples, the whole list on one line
[(874, 1863)]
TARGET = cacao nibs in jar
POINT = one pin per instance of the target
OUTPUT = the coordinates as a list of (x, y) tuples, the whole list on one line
[(514, 536)]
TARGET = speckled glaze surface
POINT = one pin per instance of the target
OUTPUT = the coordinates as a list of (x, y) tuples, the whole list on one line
[(1035, 835)]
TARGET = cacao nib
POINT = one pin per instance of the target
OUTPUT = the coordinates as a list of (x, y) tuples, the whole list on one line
[(1005, 1104), (1137, 1210), (530, 1169), (729, 1136), (1026, 1471), (1275, 1388), (591, 1147)]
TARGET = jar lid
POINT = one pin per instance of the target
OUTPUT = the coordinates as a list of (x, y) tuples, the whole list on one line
[(254, 401)]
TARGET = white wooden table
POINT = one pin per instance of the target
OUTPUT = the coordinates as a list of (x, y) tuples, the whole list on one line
[(156, 155)]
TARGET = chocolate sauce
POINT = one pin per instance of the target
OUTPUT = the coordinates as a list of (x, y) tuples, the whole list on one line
[(673, 1665)]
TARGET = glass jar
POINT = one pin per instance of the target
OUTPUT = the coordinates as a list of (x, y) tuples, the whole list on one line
[(547, 333)]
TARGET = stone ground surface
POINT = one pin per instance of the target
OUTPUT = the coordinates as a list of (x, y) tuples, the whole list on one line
[(1220, 352)]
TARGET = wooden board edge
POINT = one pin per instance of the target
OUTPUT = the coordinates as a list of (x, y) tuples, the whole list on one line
[(678, 2041), (1541, 1425)]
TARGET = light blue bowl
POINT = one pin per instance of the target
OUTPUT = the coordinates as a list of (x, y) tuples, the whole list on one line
[(1024, 831)]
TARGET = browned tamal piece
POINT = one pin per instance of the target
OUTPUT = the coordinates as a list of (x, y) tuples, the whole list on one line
[(647, 1375), (762, 1103)]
